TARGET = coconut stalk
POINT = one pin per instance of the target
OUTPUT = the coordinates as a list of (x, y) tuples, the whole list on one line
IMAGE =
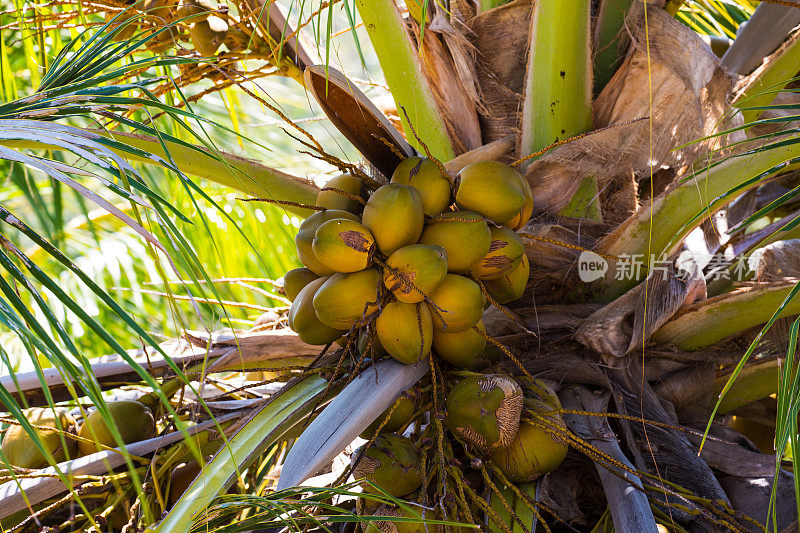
[(408, 83), (558, 87), (769, 79), (659, 228), (347, 416), (709, 321), (236, 172), (765, 31), (608, 31), (753, 383), (629, 506)]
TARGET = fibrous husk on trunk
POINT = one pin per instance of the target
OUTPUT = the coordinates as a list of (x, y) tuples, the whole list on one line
[(627, 323), (777, 261), (690, 95), (501, 75)]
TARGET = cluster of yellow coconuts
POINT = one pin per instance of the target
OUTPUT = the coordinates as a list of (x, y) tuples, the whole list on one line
[(207, 21), (514, 423), (63, 438), (406, 269)]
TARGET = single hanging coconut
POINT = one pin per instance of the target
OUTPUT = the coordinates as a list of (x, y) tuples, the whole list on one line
[(343, 245), (181, 478), (456, 304), (428, 180), (304, 240), (485, 410), (295, 280), (505, 254), (347, 183), (395, 216), (133, 420), (304, 321), (464, 235), (405, 331), (345, 298), (207, 35), (492, 189), (127, 21), (510, 287), (391, 463), (404, 407), (460, 348), (414, 271), (20, 448)]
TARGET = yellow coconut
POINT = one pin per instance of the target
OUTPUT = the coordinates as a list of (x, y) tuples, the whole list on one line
[(485, 410), (460, 348), (456, 304), (133, 420), (395, 216), (207, 35), (414, 271), (391, 463), (490, 188), (304, 321), (20, 448), (295, 280), (464, 235), (346, 186), (343, 245), (345, 298), (522, 218), (505, 253), (510, 286), (531, 454), (304, 240), (405, 331), (426, 177)]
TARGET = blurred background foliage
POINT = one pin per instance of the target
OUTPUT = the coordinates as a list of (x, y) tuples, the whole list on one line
[(240, 245)]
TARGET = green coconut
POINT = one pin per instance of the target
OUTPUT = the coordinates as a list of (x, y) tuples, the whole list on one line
[(345, 298), (414, 271), (133, 420), (505, 254), (426, 177), (343, 245), (395, 216), (304, 321), (511, 286), (485, 410), (402, 410), (295, 280), (456, 304), (405, 331), (21, 450), (464, 235), (391, 462), (492, 189), (460, 348), (333, 199), (304, 240)]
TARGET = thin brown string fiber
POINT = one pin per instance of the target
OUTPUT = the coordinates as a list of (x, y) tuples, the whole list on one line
[(427, 151)]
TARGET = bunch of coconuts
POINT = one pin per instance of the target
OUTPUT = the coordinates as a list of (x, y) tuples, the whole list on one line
[(63, 438), (404, 270), (514, 423), (208, 23)]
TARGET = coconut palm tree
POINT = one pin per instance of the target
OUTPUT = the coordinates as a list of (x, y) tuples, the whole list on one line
[(663, 256)]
